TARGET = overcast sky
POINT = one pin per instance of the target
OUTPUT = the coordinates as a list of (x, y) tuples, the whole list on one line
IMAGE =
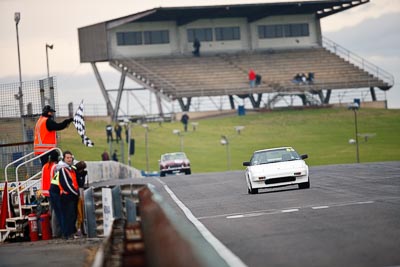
[(371, 31)]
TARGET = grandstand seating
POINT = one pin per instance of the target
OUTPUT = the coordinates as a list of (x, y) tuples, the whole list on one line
[(226, 74)]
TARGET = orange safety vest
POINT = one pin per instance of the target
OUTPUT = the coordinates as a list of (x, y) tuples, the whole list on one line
[(72, 174), (47, 174), (44, 139)]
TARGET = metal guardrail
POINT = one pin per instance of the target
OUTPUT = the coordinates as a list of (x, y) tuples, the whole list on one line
[(155, 236), (124, 199), (358, 61)]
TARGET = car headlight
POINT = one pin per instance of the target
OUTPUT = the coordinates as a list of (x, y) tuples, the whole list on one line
[(257, 176)]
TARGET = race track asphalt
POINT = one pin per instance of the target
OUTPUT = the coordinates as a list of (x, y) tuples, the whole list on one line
[(349, 217)]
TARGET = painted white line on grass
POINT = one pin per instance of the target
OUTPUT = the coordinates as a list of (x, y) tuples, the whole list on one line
[(230, 258)]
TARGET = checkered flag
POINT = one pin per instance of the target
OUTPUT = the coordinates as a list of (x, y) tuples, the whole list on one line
[(79, 122)]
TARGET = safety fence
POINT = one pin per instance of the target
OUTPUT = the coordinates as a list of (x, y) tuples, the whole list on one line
[(20, 106), (27, 98)]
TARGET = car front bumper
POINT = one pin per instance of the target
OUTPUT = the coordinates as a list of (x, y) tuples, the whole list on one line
[(279, 181), (175, 169)]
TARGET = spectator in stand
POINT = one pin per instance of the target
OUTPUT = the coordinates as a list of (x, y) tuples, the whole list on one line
[(45, 133), (310, 78), (297, 78), (118, 130), (185, 121), (258, 79), (109, 130), (196, 47), (303, 78), (252, 78), (105, 155)]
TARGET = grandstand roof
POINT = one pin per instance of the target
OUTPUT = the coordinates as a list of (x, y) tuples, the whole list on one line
[(253, 12)]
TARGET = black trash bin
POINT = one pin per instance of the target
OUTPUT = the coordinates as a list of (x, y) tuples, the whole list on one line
[(132, 147)]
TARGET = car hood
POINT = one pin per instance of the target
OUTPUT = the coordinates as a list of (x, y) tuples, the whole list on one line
[(176, 161), (274, 168)]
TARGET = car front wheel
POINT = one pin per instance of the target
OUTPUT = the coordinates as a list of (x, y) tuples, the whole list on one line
[(305, 185), (251, 190)]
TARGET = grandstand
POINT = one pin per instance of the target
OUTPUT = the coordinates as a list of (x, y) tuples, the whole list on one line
[(277, 40)]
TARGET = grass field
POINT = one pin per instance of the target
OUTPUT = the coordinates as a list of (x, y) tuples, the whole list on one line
[(323, 134)]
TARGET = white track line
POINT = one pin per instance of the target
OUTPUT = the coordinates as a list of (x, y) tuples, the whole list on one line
[(320, 207), (230, 258), (290, 210), (287, 210)]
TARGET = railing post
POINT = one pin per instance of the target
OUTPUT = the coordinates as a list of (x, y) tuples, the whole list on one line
[(358, 61)]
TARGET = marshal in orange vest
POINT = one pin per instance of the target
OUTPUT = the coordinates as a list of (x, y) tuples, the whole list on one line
[(44, 139)]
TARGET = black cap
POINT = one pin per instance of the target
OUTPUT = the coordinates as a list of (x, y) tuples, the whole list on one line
[(48, 108), (54, 155)]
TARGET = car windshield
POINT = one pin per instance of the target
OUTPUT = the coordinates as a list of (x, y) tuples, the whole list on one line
[(173, 156), (272, 156)]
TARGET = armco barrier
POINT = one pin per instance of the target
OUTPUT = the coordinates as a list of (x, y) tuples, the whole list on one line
[(159, 237), (124, 202), (164, 245)]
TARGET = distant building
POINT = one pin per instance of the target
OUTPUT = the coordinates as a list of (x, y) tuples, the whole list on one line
[(170, 32)]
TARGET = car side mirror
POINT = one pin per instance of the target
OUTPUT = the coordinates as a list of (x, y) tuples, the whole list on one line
[(246, 163), (305, 156)]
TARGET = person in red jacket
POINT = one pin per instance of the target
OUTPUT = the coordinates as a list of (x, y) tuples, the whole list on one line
[(45, 133), (252, 78), (48, 172)]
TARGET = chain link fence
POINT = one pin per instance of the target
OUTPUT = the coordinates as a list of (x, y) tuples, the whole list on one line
[(19, 110)]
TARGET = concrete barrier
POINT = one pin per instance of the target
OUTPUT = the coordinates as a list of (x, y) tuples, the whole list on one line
[(99, 171)]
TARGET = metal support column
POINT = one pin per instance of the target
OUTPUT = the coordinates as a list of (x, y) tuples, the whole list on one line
[(185, 107), (110, 109), (373, 95), (160, 110), (231, 102), (328, 96), (119, 96)]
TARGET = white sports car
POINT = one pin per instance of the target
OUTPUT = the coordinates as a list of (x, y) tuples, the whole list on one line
[(276, 167)]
